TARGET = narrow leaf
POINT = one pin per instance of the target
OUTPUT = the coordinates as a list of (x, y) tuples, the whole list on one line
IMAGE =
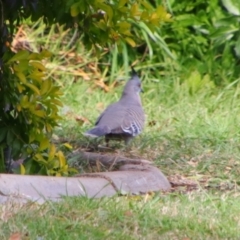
[(67, 145), (62, 160), (46, 86), (38, 65), (34, 88), (21, 55), (122, 3), (232, 6), (75, 9), (22, 169), (44, 143), (52, 152), (130, 41), (21, 77)]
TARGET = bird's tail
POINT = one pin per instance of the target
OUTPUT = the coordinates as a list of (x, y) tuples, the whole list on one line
[(97, 132)]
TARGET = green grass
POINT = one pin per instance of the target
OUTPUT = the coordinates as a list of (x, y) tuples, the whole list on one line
[(197, 215), (188, 134), (193, 137), (191, 133)]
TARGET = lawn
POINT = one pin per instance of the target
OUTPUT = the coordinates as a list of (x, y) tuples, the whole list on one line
[(190, 136)]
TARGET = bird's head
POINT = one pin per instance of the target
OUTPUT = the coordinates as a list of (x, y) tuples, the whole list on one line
[(133, 86)]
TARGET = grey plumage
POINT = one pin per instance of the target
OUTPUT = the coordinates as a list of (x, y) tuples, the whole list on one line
[(123, 119)]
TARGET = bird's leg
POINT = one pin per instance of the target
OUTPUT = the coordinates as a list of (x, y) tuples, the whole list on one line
[(127, 140), (107, 141)]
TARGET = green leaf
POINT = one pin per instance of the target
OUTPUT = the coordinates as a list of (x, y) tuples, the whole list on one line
[(38, 65), (16, 147), (44, 144), (33, 87), (37, 75), (39, 113), (130, 41), (233, 6), (124, 26), (40, 158), (46, 86), (21, 77), (21, 55), (101, 24), (237, 47), (35, 56), (67, 145), (22, 170), (10, 137), (57, 102), (135, 10), (45, 54), (48, 127), (75, 10), (146, 4), (24, 103), (31, 166), (61, 158), (162, 13), (106, 8), (121, 3), (52, 152), (32, 137), (186, 20), (23, 65), (3, 133)]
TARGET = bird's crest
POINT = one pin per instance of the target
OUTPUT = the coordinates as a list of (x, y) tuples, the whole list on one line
[(134, 73)]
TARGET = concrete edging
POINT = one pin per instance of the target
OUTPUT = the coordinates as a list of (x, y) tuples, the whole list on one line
[(130, 179)]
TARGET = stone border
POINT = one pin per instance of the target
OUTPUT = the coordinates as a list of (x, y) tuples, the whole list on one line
[(130, 179)]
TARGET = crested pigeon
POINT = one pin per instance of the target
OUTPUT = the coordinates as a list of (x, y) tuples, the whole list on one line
[(124, 119)]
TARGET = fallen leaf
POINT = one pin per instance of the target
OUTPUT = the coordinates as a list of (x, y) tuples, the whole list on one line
[(148, 196), (102, 85), (81, 120), (128, 213), (100, 106), (16, 236), (152, 123), (67, 145)]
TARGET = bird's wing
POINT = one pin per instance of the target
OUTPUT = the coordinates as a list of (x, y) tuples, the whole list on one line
[(105, 114), (133, 121), (120, 119)]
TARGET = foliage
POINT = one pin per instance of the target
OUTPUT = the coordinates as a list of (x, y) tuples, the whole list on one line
[(29, 99), (205, 36), (30, 113), (113, 21), (100, 22)]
